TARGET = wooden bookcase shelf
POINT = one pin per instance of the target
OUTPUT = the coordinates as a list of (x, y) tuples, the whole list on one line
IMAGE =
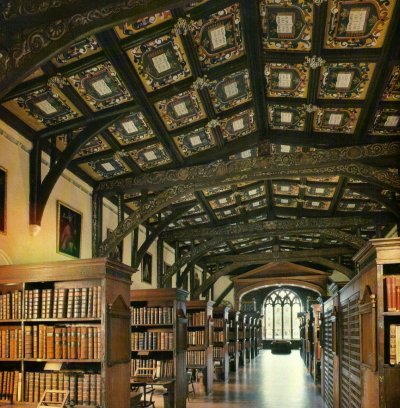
[(233, 337), (200, 317), (221, 341), (254, 332), (247, 335), (241, 339), (89, 300), (163, 312)]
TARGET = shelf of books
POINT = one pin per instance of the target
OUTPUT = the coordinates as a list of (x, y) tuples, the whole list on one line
[(241, 341), (55, 325), (247, 321), (200, 340), (221, 341), (253, 324), (233, 346), (159, 338), (316, 360)]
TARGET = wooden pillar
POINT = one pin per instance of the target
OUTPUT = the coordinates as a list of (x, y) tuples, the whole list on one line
[(160, 262)]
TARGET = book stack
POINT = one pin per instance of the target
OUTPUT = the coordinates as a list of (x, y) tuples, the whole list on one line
[(394, 357), (219, 323), (62, 342), (152, 340), (196, 338), (11, 305), (197, 358), (197, 319), (218, 352), (164, 368), (393, 293), (10, 385), (84, 388), (11, 343), (63, 303), (151, 315), (218, 337)]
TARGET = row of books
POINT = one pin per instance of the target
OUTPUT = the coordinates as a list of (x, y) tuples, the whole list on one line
[(11, 305), (84, 388), (394, 350), (10, 385), (62, 342), (196, 337), (195, 358), (63, 303), (11, 343), (152, 340), (218, 352), (196, 319), (231, 348), (393, 293), (151, 315), (219, 323), (219, 336), (164, 368)]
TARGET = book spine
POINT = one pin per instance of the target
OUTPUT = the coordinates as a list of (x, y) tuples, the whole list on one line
[(391, 293), (392, 344)]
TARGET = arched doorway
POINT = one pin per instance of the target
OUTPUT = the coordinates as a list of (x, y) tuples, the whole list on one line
[(280, 309)]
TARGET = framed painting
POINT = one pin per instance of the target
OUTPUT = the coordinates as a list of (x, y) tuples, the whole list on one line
[(147, 265), (117, 253), (69, 230), (3, 199)]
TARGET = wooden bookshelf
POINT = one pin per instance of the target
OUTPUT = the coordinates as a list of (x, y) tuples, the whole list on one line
[(316, 355), (253, 319), (247, 333), (233, 337), (159, 316), (64, 313), (221, 341), (200, 355), (241, 341)]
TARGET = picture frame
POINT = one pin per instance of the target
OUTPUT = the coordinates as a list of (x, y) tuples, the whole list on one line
[(147, 267), (3, 201), (69, 230), (117, 253)]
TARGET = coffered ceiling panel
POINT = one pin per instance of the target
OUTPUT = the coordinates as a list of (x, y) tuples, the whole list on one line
[(132, 128), (392, 90), (78, 51), (239, 125), (150, 156), (336, 120), (286, 117), (195, 141), (180, 110), (218, 37), (105, 168), (160, 62), (386, 122), (357, 24), (100, 87)]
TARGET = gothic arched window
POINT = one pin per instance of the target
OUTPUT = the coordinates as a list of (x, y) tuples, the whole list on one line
[(280, 315)]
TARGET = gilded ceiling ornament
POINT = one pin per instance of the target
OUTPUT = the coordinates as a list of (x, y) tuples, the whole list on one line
[(120, 154), (183, 26), (57, 80), (319, 2), (310, 108), (201, 83), (314, 62), (213, 123)]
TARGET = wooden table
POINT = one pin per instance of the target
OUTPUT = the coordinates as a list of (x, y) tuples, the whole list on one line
[(167, 383)]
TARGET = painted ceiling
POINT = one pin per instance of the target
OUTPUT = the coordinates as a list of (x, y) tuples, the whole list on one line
[(193, 84)]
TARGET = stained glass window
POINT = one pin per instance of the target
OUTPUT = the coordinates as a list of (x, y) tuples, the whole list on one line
[(280, 315)]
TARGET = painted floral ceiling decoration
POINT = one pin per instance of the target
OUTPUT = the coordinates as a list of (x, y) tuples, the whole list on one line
[(81, 49), (345, 80), (218, 37), (160, 62), (386, 122), (150, 156), (286, 117), (287, 24), (392, 91), (238, 125), (286, 80), (195, 141), (336, 120), (181, 110), (106, 168), (100, 87)]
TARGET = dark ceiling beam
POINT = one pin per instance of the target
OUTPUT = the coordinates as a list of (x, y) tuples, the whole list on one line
[(276, 256), (294, 256), (156, 232), (335, 161), (276, 227), (337, 197)]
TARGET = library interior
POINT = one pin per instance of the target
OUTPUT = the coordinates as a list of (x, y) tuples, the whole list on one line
[(200, 203)]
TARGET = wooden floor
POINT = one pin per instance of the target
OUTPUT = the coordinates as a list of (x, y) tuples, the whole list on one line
[(270, 381)]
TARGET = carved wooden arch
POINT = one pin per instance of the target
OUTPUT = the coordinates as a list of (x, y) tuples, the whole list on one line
[(34, 31), (237, 265), (240, 292)]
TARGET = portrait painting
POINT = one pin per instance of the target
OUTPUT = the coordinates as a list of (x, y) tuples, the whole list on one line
[(3, 199), (147, 267), (69, 229)]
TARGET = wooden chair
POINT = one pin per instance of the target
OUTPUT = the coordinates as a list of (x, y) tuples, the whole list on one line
[(189, 380), (46, 400)]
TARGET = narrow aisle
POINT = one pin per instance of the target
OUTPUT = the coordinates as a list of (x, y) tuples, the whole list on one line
[(269, 381)]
